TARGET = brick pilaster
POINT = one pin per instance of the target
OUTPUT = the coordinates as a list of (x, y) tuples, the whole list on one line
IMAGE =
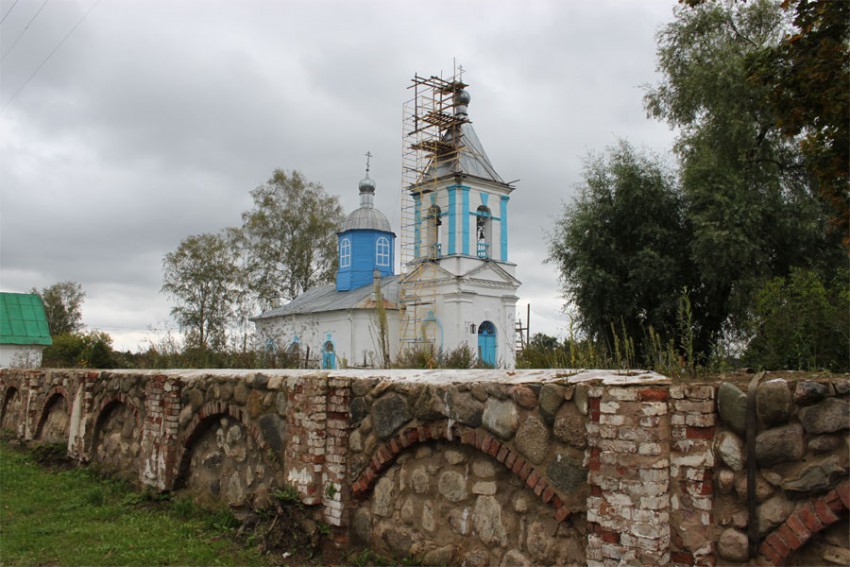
[(31, 392), (306, 428), (336, 492), (692, 427), (159, 433), (82, 416), (628, 457)]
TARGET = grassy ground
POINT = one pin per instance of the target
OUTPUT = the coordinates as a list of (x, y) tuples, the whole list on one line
[(58, 515)]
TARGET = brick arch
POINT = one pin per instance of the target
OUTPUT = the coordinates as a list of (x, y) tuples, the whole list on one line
[(49, 395), (106, 404), (44, 403), (809, 519), (385, 454), (7, 398), (198, 426)]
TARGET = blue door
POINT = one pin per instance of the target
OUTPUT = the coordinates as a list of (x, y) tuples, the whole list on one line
[(487, 344), (328, 356)]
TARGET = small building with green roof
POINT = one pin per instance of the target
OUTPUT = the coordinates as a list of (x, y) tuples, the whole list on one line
[(23, 330)]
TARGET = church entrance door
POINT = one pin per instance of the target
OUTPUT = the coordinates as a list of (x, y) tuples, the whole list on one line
[(487, 343)]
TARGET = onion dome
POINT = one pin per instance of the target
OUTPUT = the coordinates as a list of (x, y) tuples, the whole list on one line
[(367, 217)]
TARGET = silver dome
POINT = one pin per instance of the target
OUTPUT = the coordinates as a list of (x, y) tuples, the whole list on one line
[(367, 218), (367, 185)]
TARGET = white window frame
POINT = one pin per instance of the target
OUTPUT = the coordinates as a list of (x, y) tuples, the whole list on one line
[(345, 253), (382, 252)]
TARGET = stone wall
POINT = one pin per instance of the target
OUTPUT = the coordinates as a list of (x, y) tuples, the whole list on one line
[(801, 461), (478, 467), (475, 472)]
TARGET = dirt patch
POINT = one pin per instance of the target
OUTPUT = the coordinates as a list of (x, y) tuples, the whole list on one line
[(53, 456), (286, 530)]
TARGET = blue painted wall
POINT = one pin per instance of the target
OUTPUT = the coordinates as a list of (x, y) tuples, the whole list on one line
[(364, 258), (464, 215), (452, 219), (503, 213)]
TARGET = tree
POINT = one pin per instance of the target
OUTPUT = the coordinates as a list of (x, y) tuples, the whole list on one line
[(81, 350), (63, 306), (806, 74), (289, 237), (202, 276), (622, 247), (749, 197)]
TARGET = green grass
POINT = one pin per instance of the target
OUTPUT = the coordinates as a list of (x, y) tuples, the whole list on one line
[(72, 517)]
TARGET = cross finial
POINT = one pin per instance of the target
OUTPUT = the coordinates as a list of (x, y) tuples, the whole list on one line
[(460, 71), (368, 157)]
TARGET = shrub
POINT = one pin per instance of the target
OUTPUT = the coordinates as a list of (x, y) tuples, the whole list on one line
[(798, 323)]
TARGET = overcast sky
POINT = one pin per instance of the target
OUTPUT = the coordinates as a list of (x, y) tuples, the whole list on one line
[(127, 126)]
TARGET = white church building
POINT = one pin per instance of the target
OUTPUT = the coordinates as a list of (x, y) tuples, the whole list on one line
[(457, 285)]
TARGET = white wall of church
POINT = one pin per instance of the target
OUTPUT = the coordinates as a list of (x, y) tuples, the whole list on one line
[(354, 335), (461, 316)]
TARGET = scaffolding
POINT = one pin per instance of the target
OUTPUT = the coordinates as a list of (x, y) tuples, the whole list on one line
[(431, 146), (523, 333)]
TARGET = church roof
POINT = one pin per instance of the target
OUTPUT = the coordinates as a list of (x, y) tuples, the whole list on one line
[(327, 298)]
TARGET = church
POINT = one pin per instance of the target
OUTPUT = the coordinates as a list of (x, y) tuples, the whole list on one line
[(457, 285)]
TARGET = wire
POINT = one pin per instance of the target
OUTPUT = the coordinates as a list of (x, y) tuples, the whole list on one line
[(26, 27), (6, 15), (46, 59)]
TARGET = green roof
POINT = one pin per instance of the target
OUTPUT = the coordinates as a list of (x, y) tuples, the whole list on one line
[(22, 320)]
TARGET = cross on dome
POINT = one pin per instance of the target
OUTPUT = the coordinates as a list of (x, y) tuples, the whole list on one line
[(366, 184)]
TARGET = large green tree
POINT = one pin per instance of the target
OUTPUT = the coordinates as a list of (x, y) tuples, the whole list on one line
[(807, 74), (63, 302), (622, 247), (809, 77), (749, 195), (289, 237), (203, 278)]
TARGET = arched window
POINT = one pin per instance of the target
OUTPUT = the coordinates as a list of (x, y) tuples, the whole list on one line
[(382, 252), (483, 232), (344, 253), (432, 232)]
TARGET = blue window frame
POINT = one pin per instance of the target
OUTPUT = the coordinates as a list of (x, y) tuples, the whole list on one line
[(344, 253), (382, 252)]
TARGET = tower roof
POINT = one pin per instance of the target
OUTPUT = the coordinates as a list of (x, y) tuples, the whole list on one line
[(471, 160), (463, 156)]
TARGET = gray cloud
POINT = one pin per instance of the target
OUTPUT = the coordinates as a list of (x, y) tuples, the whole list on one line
[(155, 119)]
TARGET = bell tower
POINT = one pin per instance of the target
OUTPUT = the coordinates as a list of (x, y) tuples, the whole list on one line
[(458, 286)]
